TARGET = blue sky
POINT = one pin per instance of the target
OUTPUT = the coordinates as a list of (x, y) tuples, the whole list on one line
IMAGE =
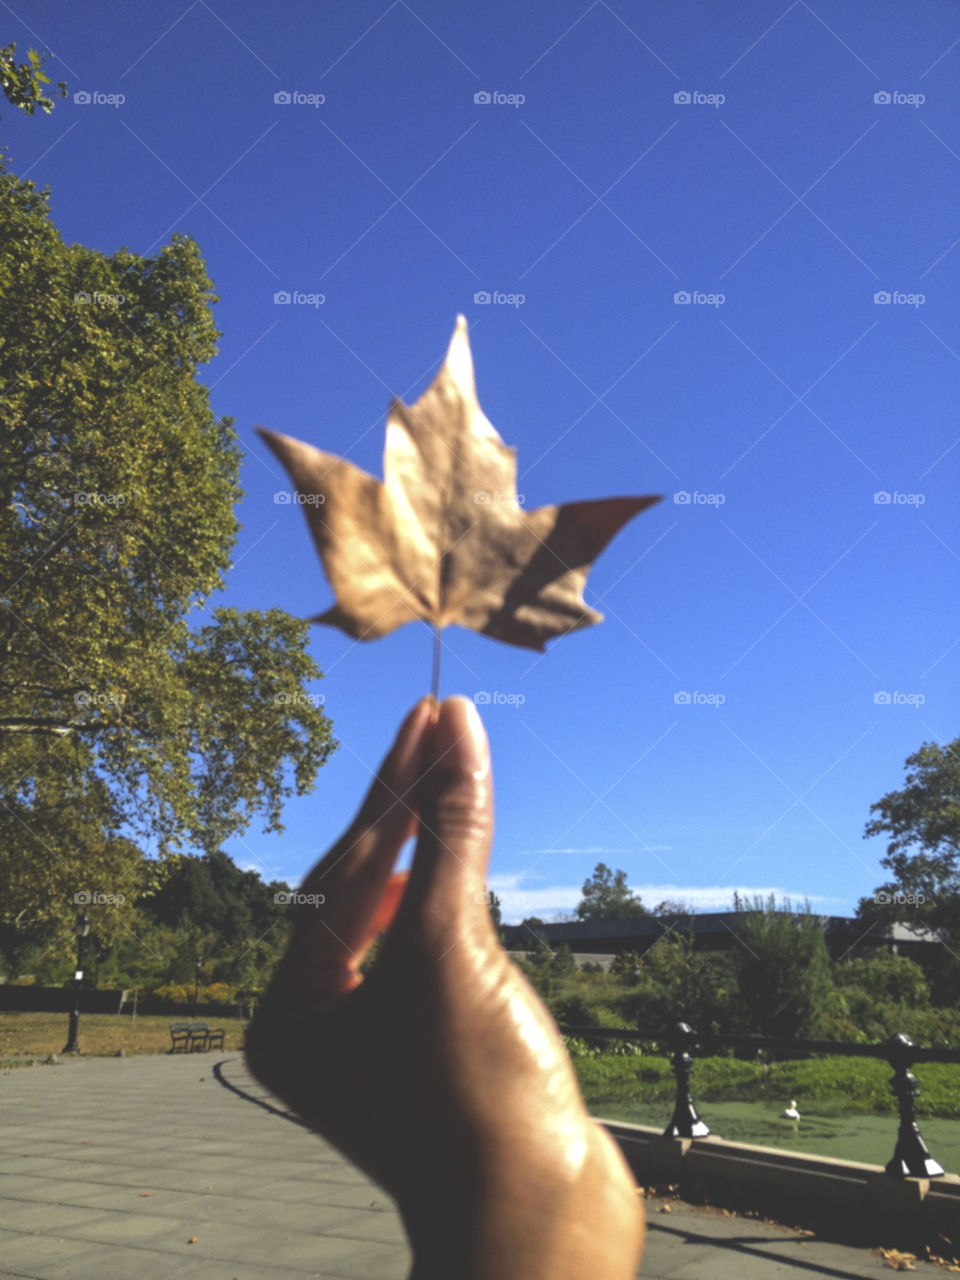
[(775, 646)]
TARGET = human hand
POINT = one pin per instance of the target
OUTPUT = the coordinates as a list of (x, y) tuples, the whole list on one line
[(440, 1073)]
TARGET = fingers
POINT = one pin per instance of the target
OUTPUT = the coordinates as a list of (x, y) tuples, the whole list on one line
[(354, 877), (446, 882)]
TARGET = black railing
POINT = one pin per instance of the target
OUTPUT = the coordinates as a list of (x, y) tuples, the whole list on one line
[(911, 1159)]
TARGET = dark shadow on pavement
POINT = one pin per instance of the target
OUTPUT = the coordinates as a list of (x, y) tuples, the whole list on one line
[(752, 1247), (252, 1097)]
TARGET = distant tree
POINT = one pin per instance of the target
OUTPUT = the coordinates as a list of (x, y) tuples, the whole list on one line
[(534, 927), (212, 895), (606, 896), (495, 914), (922, 825), (887, 978), (22, 82), (674, 982), (782, 967), (671, 907), (563, 961)]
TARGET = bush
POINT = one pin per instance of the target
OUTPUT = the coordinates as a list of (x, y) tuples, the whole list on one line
[(178, 994)]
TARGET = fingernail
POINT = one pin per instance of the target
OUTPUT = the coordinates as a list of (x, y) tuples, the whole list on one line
[(458, 741)]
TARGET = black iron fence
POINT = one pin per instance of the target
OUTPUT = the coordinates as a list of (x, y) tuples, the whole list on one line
[(911, 1158)]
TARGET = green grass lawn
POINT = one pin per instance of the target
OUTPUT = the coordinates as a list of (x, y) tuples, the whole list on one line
[(860, 1084), (101, 1034)]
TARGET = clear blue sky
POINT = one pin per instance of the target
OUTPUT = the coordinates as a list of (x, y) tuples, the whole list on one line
[(791, 592)]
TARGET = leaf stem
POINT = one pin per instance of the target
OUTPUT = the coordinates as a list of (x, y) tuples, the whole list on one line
[(435, 686)]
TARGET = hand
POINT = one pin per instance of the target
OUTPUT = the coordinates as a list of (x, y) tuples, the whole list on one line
[(440, 1073)]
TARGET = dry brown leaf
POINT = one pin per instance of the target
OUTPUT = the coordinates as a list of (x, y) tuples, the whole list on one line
[(897, 1260), (443, 539)]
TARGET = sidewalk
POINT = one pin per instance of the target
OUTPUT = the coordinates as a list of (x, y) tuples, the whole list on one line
[(145, 1168)]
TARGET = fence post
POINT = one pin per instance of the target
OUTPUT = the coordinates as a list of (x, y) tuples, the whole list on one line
[(685, 1123), (911, 1159)]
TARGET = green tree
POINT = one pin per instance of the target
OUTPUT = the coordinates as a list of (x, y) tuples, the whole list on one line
[(782, 968), (495, 913), (117, 493), (213, 895), (922, 824), (23, 82), (606, 896)]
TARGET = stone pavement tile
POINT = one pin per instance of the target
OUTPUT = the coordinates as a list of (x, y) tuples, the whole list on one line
[(384, 1227), (235, 1242), (120, 1263), (329, 1193), (50, 1191), (692, 1244), (25, 1253), (225, 1209), (72, 1172), (50, 1218), (78, 1222)]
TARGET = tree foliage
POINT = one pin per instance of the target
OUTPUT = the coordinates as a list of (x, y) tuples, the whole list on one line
[(606, 896), (782, 968), (117, 493), (23, 82), (922, 824)]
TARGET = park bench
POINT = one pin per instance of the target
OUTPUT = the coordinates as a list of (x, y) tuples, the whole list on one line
[(194, 1035)]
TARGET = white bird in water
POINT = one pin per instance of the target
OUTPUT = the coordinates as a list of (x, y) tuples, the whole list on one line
[(791, 1112)]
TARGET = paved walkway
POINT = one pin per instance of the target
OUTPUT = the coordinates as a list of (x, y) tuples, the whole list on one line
[(145, 1168)]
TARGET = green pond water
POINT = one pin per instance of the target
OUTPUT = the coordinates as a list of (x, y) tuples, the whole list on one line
[(822, 1130)]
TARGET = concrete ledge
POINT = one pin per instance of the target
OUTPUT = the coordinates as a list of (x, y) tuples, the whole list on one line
[(840, 1199)]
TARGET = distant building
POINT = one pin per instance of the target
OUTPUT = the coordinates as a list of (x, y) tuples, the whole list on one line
[(713, 931)]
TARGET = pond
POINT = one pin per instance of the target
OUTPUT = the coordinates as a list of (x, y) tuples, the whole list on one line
[(823, 1129)]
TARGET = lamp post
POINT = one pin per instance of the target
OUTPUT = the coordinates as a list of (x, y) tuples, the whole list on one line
[(196, 981), (81, 929)]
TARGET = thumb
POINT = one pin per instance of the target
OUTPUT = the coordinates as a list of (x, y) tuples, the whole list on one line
[(445, 890)]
